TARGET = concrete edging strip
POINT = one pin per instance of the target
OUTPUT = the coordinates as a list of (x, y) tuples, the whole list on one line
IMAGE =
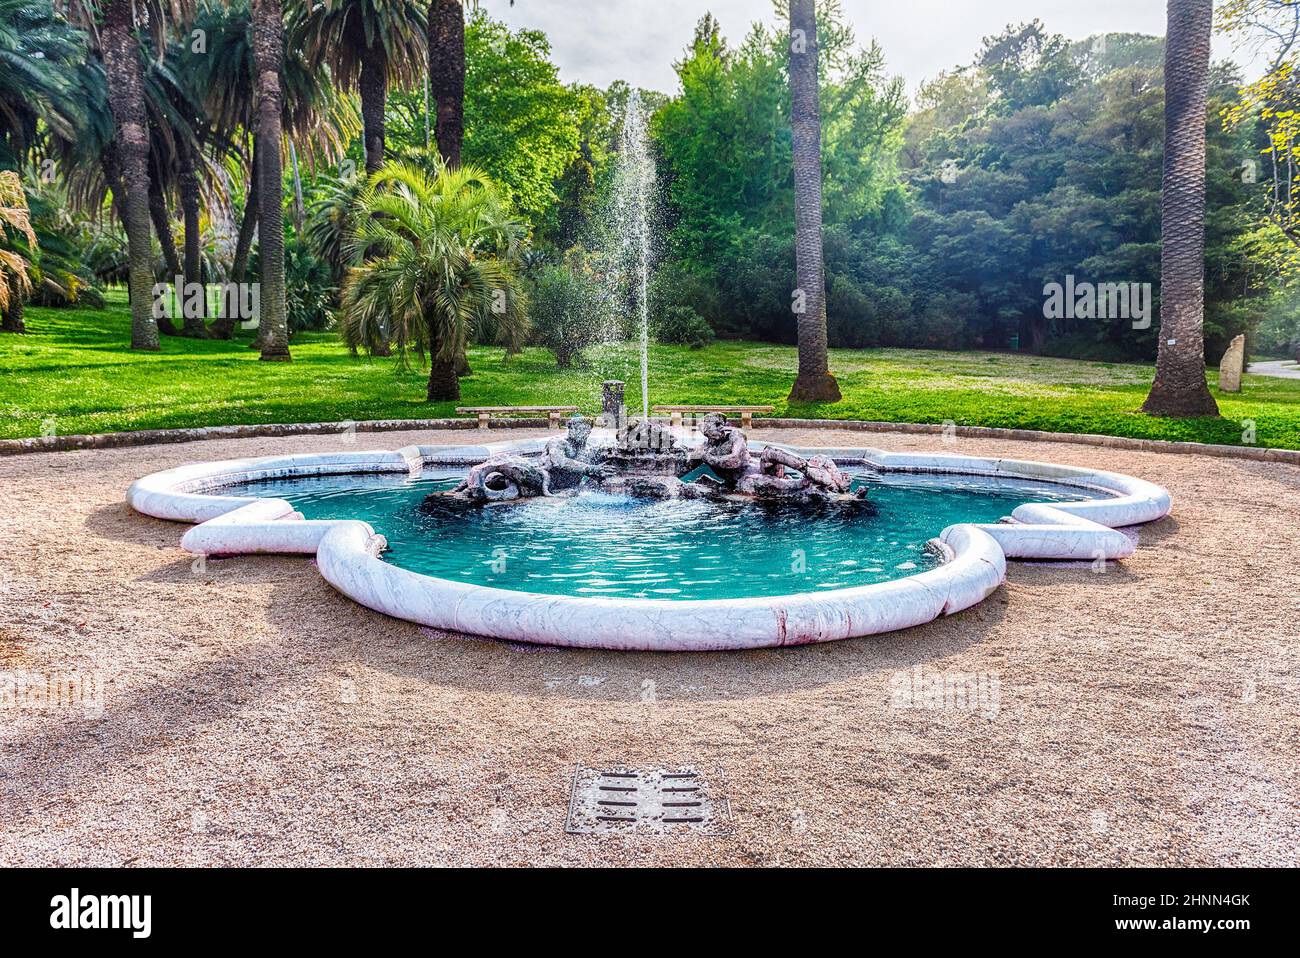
[(146, 437)]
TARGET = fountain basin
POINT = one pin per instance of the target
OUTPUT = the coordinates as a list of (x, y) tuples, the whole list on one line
[(970, 557)]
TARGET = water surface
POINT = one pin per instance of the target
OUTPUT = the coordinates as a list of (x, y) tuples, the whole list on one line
[(616, 546)]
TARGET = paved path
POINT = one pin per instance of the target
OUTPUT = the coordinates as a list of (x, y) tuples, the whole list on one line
[(1280, 369)]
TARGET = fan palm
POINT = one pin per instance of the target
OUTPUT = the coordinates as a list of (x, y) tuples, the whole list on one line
[(329, 219), (439, 257), (369, 43)]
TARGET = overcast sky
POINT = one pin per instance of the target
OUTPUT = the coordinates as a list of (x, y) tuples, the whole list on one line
[(598, 41)]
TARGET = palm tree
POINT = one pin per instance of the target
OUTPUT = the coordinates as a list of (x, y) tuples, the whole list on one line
[(178, 130), (438, 268), (15, 252), (329, 219), (314, 117), (1180, 388), (371, 43), (268, 54), (38, 83), (447, 75), (121, 52), (38, 80), (814, 382), (87, 154)]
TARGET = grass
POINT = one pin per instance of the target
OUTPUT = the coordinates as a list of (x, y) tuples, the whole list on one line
[(72, 373)]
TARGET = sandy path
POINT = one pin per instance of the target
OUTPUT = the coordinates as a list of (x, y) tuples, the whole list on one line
[(251, 715), (1280, 369)]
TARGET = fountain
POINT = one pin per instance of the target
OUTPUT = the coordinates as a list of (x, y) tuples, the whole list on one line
[(634, 180), (642, 537)]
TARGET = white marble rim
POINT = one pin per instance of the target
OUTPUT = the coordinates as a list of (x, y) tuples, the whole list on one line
[(347, 553)]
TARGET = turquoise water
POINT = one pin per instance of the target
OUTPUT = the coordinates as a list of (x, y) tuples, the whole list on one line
[(615, 546)]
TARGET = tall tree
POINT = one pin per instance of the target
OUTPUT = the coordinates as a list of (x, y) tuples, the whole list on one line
[(371, 43), (447, 75), (121, 51), (1180, 388), (268, 54), (814, 382), (319, 120)]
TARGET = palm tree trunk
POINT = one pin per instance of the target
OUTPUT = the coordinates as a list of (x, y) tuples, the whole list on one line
[(446, 36), (112, 168), (121, 53), (1180, 388), (374, 94), (223, 327), (268, 47), (247, 228), (12, 321), (814, 382), (299, 211), (162, 226), (447, 75), (189, 189), (444, 386)]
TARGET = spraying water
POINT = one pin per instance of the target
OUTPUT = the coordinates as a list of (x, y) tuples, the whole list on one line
[(634, 180)]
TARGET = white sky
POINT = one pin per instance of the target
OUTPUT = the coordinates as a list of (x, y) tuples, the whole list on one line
[(598, 41)]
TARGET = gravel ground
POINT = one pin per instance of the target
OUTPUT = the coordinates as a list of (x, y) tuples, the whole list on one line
[(251, 715)]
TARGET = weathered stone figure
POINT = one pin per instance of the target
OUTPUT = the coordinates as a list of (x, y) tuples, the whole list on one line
[(568, 458), (648, 462), (502, 478), (726, 452)]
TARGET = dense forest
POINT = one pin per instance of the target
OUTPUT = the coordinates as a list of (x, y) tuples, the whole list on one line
[(946, 214)]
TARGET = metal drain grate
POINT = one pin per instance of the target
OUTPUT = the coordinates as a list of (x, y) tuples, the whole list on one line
[(639, 798)]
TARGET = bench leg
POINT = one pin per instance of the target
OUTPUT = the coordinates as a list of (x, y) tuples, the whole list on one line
[(746, 420), (483, 420), (553, 420), (676, 419)]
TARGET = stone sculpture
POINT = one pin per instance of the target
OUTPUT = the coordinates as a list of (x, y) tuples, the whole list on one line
[(1230, 369), (647, 461)]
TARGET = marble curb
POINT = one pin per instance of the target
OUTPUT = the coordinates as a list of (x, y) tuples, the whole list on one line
[(145, 437), (348, 553)]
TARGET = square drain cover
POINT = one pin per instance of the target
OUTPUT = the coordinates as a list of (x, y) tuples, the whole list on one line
[(639, 798)]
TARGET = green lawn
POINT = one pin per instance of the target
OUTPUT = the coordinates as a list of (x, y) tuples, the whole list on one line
[(73, 372)]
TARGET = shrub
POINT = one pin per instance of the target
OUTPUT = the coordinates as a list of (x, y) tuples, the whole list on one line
[(310, 293), (570, 310), (674, 285), (683, 326)]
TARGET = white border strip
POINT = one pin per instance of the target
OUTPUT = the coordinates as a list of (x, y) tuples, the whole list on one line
[(347, 554)]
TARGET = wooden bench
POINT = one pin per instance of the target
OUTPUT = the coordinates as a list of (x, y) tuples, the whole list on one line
[(484, 413), (746, 412)]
